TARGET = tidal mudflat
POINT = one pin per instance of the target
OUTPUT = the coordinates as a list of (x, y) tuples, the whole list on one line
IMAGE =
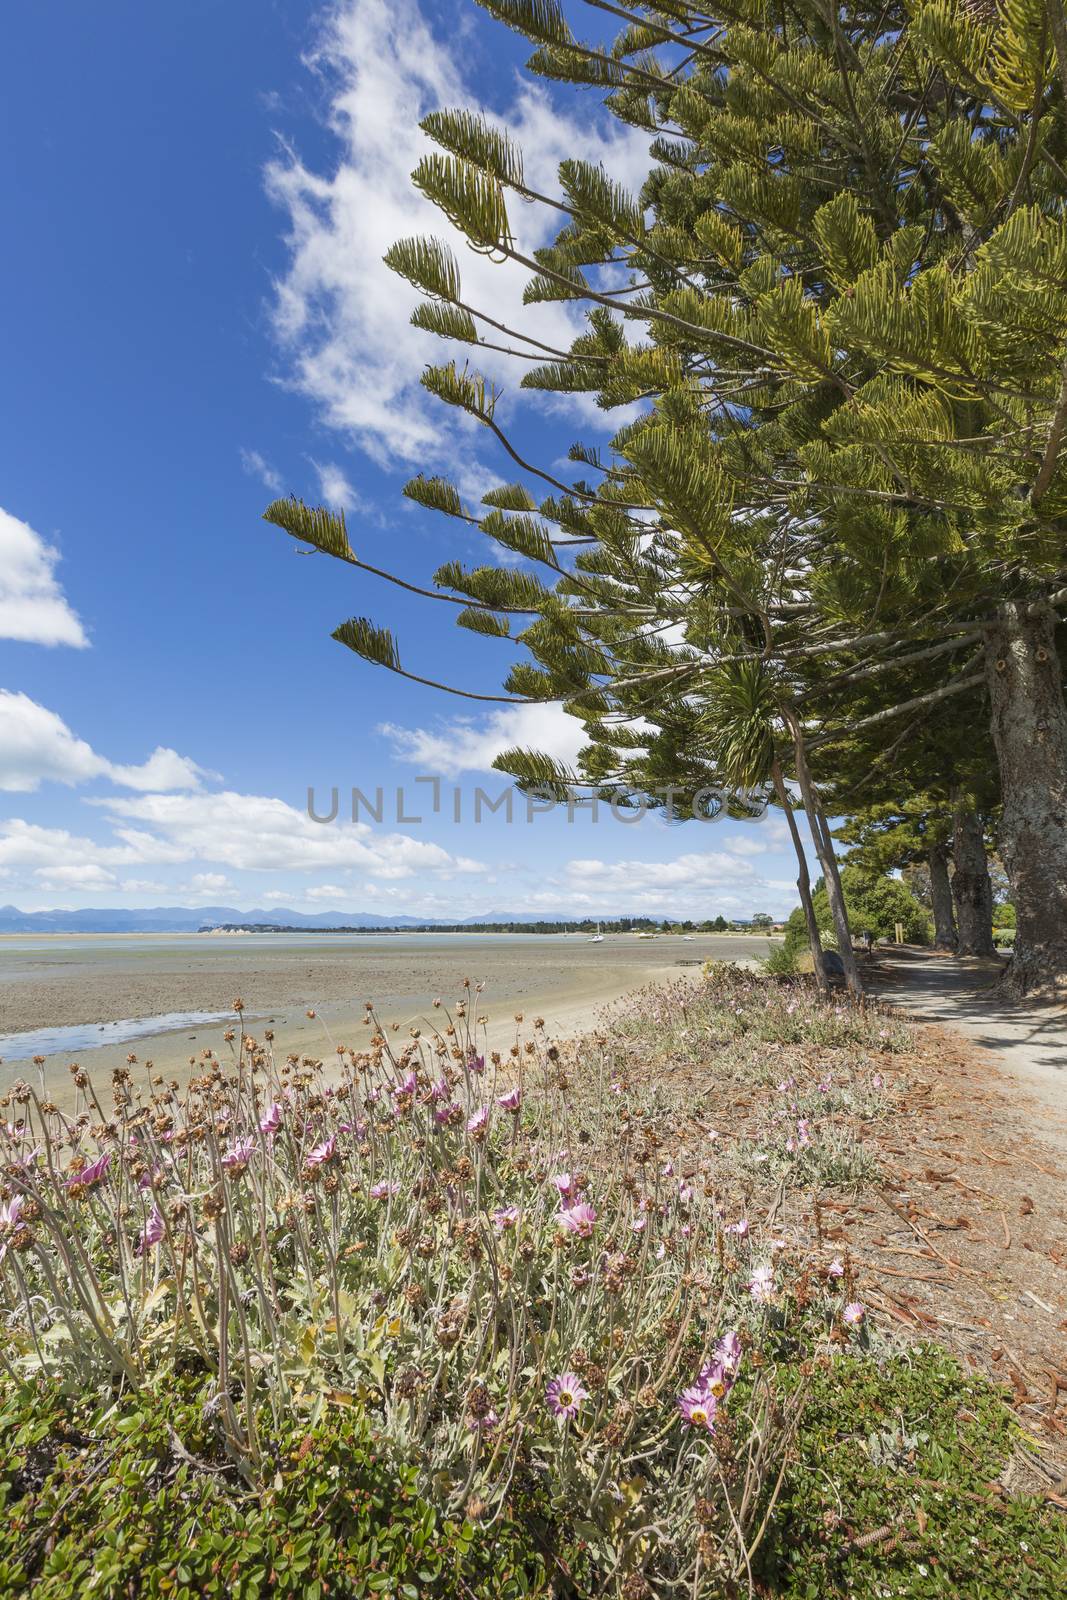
[(91, 983)]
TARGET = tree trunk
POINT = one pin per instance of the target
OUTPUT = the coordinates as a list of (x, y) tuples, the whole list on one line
[(1030, 733), (971, 888), (803, 877), (824, 849), (941, 899)]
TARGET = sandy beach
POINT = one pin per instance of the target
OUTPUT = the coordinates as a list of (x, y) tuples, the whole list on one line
[(88, 981)]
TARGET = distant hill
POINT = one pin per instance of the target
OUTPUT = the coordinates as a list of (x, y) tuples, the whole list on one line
[(184, 919)]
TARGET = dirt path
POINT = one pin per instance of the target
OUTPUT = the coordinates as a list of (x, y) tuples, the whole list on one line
[(1024, 1042)]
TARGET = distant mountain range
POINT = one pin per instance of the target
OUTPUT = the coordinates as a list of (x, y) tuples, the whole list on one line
[(189, 919)]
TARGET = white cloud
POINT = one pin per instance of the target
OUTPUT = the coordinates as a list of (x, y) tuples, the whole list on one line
[(258, 467), (209, 883), (33, 607), (56, 859), (239, 832), (466, 745), (37, 746), (334, 486), (714, 869), (248, 832), (340, 314)]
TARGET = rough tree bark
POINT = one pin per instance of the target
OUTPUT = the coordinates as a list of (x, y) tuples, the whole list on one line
[(941, 898), (971, 888), (1025, 681), (803, 877)]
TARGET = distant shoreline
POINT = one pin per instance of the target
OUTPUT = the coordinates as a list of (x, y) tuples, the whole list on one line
[(496, 930), (652, 930)]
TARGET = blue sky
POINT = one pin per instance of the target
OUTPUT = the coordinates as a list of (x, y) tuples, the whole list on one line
[(197, 199)]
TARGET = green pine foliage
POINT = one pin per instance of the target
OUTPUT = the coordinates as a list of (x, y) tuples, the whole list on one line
[(838, 306)]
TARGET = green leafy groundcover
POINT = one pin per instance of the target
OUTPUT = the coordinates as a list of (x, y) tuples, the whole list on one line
[(910, 1448), (137, 1500)]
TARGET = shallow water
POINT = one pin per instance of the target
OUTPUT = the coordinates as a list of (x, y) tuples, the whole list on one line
[(94, 1035)]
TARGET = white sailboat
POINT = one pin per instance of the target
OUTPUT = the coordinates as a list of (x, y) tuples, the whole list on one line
[(597, 937)]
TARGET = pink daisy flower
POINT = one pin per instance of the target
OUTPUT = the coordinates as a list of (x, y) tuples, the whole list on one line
[(728, 1350), (152, 1232), (271, 1120), (835, 1269), (565, 1394), (761, 1284), (479, 1120), (382, 1191), (9, 1220), (90, 1175), (239, 1155), (578, 1219), (563, 1182), (510, 1101), (698, 1407), (322, 1152), (506, 1217), (854, 1313), (715, 1380)]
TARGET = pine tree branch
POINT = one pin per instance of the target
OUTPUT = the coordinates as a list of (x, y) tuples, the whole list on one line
[(667, 36), (969, 680), (891, 663), (429, 594), (468, 694), (641, 314)]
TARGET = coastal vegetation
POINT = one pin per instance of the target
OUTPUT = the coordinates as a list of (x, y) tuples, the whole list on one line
[(425, 1320), (824, 554), (717, 924)]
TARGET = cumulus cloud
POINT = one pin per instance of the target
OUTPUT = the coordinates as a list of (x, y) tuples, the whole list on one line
[(238, 832), (257, 466), (56, 859), (334, 486), (33, 608), (339, 313), (261, 833), (209, 883), (37, 746), (467, 744), (712, 869)]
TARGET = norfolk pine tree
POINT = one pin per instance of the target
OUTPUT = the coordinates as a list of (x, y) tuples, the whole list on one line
[(841, 299)]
